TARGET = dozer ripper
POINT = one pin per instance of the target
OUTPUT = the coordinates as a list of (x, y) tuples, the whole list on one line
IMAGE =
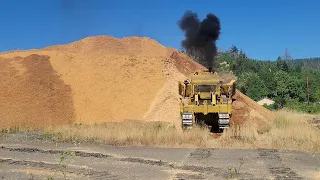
[(206, 101)]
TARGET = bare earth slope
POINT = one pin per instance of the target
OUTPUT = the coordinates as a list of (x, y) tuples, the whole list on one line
[(96, 79), (32, 94)]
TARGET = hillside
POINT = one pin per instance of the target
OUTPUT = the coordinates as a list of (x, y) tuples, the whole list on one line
[(309, 64), (94, 80)]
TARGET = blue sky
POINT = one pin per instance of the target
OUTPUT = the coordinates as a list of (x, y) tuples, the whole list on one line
[(263, 29)]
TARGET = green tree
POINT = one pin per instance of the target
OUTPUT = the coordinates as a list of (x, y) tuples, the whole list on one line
[(296, 89), (253, 86), (234, 51), (314, 85), (267, 75), (281, 78), (257, 89), (242, 55), (243, 81), (279, 102), (282, 64), (317, 95)]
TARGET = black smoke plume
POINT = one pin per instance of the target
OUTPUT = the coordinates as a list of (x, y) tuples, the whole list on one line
[(200, 37)]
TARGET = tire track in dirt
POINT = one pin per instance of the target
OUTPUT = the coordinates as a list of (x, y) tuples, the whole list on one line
[(205, 171), (187, 171), (196, 164), (91, 173), (275, 165), (200, 154), (36, 150), (87, 154)]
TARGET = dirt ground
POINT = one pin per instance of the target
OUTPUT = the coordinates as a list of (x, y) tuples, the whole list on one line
[(42, 161), (100, 79)]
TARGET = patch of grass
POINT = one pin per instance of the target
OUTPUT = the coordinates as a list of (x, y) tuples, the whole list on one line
[(11, 130), (234, 172), (281, 122), (289, 131), (292, 131), (311, 108)]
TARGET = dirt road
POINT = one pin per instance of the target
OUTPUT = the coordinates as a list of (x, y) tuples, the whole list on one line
[(41, 161)]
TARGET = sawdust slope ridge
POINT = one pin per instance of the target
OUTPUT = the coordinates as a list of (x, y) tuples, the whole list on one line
[(165, 105), (114, 79), (128, 46), (109, 82)]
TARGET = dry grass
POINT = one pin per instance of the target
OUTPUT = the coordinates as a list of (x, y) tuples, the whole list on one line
[(290, 131), (133, 133)]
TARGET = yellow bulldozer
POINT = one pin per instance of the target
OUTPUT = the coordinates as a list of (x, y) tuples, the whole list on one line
[(206, 100)]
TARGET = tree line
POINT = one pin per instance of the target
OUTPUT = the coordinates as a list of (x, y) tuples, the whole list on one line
[(282, 80)]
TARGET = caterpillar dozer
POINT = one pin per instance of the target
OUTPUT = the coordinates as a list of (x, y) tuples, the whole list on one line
[(206, 101)]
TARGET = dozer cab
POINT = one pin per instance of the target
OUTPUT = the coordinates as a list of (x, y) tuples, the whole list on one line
[(206, 101)]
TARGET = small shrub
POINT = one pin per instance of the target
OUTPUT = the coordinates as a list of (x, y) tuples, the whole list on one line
[(312, 108), (281, 122)]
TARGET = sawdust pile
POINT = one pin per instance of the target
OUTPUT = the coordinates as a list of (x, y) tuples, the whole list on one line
[(97, 79), (245, 109), (34, 95)]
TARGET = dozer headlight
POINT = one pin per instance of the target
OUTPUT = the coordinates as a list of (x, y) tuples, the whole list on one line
[(186, 116), (224, 115)]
